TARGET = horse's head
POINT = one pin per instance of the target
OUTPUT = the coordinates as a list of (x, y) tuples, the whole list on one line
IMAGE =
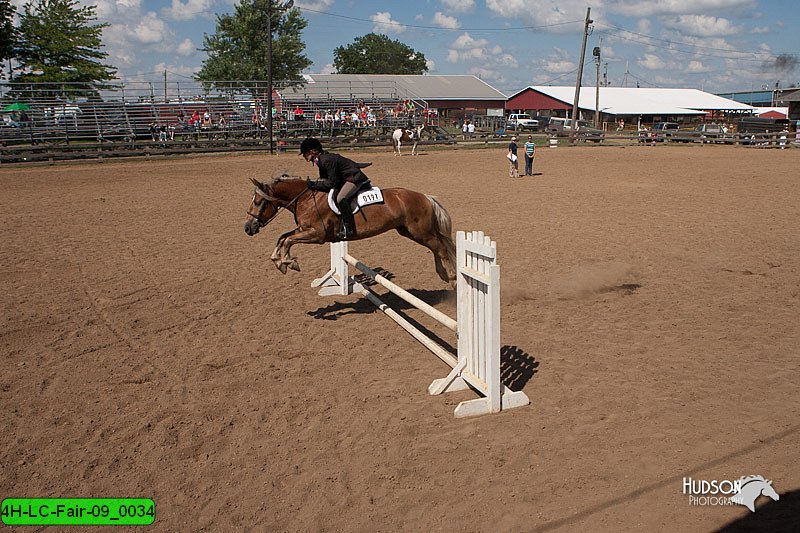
[(262, 208), (769, 491)]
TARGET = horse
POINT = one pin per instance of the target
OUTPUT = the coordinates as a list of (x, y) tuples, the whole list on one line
[(413, 215), (751, 488), (401, 135)]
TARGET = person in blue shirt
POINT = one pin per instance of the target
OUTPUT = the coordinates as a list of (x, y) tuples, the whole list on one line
[(530, 151)]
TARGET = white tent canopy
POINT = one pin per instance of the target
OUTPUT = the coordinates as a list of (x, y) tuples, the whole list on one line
[(644, 101)]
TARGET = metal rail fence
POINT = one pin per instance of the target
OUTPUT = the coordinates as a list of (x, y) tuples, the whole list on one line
[(43, 121)]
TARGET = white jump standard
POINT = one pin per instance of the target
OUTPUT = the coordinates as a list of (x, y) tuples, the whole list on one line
[(477, 326)]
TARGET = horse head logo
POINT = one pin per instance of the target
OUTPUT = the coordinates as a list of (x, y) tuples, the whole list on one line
[(751, 488)]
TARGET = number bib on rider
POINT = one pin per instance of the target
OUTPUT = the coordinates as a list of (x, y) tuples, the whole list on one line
[(368, 197)]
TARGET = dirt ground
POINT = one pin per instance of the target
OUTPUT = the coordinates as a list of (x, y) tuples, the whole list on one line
[(650, 304)]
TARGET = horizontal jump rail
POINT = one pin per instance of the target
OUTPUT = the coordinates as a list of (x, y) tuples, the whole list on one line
[(434, 313)]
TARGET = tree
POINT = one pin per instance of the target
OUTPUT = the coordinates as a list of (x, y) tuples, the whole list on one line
[(378, 54), (238, 48), (8, 33), (60, 47)]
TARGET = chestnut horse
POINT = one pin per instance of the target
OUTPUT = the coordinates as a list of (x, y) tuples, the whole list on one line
[(416, 216)]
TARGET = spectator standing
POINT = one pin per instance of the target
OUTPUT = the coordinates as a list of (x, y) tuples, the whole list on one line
[(465, 129), (513, 160), (530, 151), (471, 129)]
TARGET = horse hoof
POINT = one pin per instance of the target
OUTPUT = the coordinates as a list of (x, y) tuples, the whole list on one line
[(282, 268)]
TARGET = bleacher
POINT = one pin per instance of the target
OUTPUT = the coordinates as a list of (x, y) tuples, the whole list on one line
[(136, 115)]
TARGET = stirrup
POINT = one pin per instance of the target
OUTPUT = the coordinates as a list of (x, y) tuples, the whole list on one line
[(344, 235)]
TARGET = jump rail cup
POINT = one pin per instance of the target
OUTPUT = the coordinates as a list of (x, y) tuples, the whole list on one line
[(477, 326)]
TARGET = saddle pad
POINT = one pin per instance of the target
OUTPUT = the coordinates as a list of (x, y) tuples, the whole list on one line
[(368, 197)]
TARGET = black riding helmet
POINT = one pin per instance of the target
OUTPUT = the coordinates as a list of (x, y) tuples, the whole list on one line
[(310, 144)]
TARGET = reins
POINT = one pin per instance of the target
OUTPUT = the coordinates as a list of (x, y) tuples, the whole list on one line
[(275, 202)]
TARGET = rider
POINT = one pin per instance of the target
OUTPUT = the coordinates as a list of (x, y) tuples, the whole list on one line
[(336, 171)]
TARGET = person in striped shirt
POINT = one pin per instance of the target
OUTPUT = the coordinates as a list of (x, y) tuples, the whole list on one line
[(530, 151)]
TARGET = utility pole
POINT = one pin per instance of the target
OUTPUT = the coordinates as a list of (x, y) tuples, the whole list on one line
[(166, 99), (580, 75), (605, 74), (269, 77), (626, 74), (596, 53)]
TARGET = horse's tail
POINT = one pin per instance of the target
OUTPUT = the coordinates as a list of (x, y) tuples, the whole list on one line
[(443, 227)]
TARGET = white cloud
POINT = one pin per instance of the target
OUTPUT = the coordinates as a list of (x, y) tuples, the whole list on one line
[(384, 23), (697, 66), (466, 48), (186, 48), (328, 69), (459, 6), (175, 69), (316, 5), (652, 62), (190, 10), (646, 8), (701, 25), (419, 16), (444, 21), (487, 74), (431, 64), (481, 57), (559, 66), (544, 12), (644, 26), (149, 30), (760, 29)]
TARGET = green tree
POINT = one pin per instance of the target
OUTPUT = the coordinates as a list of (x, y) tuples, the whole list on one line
[(378, 54), (61, 48), (8, 33), (238, 49)]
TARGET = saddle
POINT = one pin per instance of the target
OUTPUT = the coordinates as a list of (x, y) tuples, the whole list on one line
[(366, 195)]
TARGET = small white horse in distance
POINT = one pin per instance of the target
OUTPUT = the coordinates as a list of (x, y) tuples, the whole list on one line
[(401, 135)]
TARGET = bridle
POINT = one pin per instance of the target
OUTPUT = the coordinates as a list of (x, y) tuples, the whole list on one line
[(265, 199)]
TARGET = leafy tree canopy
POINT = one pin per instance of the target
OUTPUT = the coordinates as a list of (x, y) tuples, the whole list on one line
[(378, 54), (238, 50), (8, 33), (58, 44)]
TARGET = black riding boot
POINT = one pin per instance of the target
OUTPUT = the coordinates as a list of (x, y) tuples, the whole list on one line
[(348, 230)]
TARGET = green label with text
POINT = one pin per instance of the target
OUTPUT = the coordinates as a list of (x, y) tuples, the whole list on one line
[(78, 511)]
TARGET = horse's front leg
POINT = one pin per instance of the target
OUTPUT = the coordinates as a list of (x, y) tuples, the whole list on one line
[(278, 252), (414, 149), (311, 235)]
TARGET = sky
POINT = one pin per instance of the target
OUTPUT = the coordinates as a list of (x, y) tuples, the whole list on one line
[(713, 45)]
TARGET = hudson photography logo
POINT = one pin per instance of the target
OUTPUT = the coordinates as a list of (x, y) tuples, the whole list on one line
[(743, 491)]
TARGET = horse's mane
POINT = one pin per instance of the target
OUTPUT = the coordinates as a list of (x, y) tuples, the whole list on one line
[(281, 176), (744, 480)]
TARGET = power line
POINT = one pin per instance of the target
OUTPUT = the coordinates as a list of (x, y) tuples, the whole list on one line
[(610, 28), (424, 27), (548, 82)]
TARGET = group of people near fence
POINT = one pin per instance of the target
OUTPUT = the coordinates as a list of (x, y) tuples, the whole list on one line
[(196, 123)]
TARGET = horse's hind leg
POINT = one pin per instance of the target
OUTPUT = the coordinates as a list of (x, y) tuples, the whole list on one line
[(441, 257)]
